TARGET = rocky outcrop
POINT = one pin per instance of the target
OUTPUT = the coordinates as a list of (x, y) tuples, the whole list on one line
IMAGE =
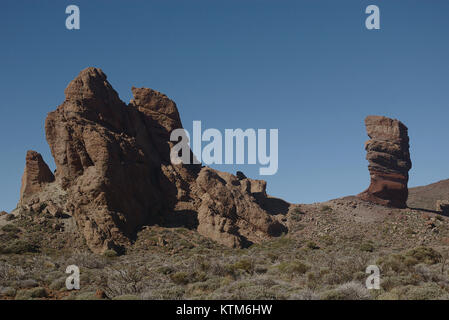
[(389, 161), (442, 206), (114, 173), (36, 175), (229, 212)]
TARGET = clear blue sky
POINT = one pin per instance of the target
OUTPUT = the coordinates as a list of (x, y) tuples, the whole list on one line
[(308, 68)]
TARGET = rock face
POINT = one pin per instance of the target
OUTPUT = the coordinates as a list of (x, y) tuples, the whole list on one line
[(113, 168), (36, 175), (389, 162)]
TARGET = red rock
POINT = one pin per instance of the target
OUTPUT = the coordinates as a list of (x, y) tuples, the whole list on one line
[(389, 162), (100, 294)]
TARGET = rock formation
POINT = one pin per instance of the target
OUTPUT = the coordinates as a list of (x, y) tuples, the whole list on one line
[(114, 174), (389, 162), (442, 206), (36, 175)]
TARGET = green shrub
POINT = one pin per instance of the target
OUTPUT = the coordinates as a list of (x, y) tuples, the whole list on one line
[(10, 228), (38, 292), (165, 270), (58, 284), (425, 255), (293, 267), (181, 278), (19, 247), (367, 246), (244, 265), (110, 253)]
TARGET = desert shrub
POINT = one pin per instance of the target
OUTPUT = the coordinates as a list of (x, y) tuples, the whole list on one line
[(28, 283), (126, 297), (19, 247), (326, 209), (180, 278), (305, 294), (390, 282), (203, 288), (272, 256), (279, 243), (165, 270), (297, 211), (8, 292), (89, 295), (110, 253), (34, 293), (245, 265), (293, 267), (258, 288), (425, 291), (348, 291), (313, 280), (171, 293), (312, 245), (396, 263), (10, 228), (119, 281), (425, 255), (367, 246), (58, 284), (87, 260)]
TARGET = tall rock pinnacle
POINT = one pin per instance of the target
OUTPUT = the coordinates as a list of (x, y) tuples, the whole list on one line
[(389, 161)]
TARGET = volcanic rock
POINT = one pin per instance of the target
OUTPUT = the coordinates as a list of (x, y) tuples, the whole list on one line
[(229, 213), (114, 171), (36, 175), (389, 162)]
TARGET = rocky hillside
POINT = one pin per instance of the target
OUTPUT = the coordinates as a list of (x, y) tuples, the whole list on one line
[(425, 197), (141, 227)]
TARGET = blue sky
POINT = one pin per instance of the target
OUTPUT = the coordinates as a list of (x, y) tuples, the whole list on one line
[(308, 68)]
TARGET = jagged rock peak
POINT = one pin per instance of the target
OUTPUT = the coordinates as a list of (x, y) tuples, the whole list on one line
[(114, 171)]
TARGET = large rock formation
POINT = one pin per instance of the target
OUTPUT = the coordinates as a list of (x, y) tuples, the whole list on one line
[(114, 174), (389, 161)]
